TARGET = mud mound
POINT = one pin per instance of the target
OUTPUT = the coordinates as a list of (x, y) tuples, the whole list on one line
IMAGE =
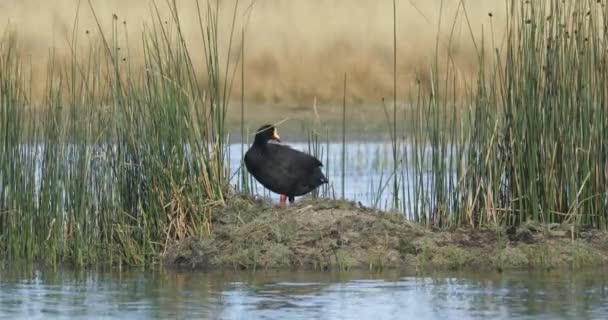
[(249, 234)]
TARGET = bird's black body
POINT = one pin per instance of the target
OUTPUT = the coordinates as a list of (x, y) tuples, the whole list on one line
[(281, 169)]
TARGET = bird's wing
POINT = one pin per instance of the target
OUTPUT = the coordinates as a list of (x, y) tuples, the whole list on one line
[(292, 159), (293, 166)]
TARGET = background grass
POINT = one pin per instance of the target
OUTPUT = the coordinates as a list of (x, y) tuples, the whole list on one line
[(327, 39)]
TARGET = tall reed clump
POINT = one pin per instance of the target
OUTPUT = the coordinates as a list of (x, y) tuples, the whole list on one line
[(117, 163), (531, 142), (16, 177)]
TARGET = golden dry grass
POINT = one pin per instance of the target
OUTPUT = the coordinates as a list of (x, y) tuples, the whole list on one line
[(295, 50)]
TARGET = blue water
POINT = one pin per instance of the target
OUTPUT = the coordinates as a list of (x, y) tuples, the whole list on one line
[(301, 295)]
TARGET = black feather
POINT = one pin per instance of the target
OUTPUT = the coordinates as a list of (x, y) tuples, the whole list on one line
[(280, 168)]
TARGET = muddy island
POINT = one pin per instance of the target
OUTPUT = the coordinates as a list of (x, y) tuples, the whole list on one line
[(252, 234)]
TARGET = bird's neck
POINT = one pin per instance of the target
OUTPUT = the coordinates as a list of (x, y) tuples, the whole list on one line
[(260, 145)]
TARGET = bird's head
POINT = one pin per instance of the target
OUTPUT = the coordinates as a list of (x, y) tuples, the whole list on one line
[(266, 133)]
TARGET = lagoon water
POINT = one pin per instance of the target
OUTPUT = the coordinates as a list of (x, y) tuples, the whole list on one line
[(301, 295)]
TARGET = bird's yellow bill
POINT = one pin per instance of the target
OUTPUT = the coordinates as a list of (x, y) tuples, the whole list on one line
[(275, 134)]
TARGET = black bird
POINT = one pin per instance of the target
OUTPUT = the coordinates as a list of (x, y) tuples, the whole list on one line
[(280, 168)]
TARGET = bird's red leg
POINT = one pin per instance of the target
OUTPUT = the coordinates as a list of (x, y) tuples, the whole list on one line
[(282, 200)]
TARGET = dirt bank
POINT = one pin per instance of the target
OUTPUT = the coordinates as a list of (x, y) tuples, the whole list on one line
[(338, 235)]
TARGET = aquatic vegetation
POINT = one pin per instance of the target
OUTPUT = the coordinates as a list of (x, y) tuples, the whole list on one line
[(526, 141), (113, 165), (530, 143)]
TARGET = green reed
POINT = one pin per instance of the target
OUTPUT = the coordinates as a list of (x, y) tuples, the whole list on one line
[(394, 141), (530, 142), (244, 186), (342, 178), (113, 164)]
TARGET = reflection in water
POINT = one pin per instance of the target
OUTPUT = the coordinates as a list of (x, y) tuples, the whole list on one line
[(302, 295)]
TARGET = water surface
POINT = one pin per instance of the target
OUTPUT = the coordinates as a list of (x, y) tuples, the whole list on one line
[(302, 295)]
